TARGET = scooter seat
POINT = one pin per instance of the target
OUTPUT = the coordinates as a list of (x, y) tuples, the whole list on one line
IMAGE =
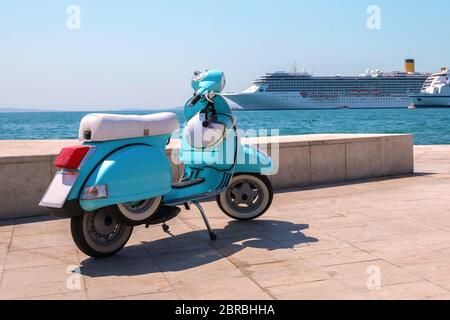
[(108, 127)]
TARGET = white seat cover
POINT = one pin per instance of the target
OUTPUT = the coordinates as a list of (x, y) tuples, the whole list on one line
[(107, 127)]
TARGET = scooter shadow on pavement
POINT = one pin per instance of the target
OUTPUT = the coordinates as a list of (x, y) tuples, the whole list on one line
[(181, 252)]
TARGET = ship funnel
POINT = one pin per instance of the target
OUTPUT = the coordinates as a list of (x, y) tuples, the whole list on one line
[(410, 66)]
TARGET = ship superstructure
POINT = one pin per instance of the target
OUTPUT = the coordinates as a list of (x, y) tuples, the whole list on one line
[(435, 92)]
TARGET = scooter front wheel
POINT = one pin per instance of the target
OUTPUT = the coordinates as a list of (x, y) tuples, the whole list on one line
[(100, 234), (248, 197)]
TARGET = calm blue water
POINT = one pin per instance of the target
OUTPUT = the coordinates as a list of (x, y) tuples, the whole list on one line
[(430, 126)]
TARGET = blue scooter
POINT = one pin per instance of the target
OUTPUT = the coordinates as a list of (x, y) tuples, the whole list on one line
[(120, 177)]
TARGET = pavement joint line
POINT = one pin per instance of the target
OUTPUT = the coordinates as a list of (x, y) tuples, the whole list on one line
[(82, 276), (296, 283), (39, 248), (2, 275), (47, 295), (347, 263), (36, 267), (436, 284), (141, 294)]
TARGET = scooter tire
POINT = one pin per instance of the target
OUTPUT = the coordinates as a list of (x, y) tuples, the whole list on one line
[(263, 185), (82, 234)]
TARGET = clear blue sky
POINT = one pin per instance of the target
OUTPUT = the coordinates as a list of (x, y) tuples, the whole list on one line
[(141, 53)]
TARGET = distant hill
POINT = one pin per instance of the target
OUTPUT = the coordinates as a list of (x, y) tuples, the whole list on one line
[(11, 110), (20, 110)]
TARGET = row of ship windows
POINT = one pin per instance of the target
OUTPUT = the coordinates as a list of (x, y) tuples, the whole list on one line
[(331, 88), (295, 92), (343, 86), (351, 100), (332, 84), (341, 89), (346, 81)]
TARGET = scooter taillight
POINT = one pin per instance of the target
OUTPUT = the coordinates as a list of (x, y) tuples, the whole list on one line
[(71, 158)]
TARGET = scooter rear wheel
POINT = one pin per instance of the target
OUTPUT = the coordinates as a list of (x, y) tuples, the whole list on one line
[(137, 213), (100, 234), (248, 197)]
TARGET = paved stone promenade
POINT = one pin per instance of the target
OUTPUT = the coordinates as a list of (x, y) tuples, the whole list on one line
[(378, 239)]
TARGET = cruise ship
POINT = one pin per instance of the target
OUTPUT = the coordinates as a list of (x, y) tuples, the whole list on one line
[(435, 92), (301, 90)]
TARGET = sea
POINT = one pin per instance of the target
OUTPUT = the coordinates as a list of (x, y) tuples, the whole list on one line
[(429, 126)]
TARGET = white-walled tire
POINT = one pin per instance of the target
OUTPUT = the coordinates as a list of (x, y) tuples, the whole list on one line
[(100, 234), (137, 213), (248, 197)]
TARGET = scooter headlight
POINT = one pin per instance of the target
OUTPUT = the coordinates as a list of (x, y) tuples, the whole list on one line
[(224, 83)]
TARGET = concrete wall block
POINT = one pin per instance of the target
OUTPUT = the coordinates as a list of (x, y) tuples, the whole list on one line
[(22, 187), (398, 155), (364, 160), (177, 170), (327, 163), (294, 168)]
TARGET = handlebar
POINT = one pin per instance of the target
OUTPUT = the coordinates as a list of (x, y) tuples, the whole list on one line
[(196, 99), (201, 93)]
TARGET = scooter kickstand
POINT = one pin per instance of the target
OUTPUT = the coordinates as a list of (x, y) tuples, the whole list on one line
[(165, 227), (212, 235)]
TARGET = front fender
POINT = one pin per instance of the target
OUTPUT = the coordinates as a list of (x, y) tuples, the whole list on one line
[(131, 174), (252, 160)]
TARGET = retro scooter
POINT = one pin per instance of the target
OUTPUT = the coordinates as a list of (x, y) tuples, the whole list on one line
[(120, 177)]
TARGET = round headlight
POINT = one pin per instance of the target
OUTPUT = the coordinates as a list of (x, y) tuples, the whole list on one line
[(224, 83)]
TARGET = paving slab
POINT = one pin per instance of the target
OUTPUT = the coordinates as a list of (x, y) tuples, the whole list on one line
[(37, 241), (198, 265), (336, 256), (360, 275), (34, 282), (284, 273), (317, 290), (23, 259), (240, 288), (121, 278)]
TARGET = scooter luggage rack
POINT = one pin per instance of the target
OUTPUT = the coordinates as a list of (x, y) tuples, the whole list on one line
[(212, 235)]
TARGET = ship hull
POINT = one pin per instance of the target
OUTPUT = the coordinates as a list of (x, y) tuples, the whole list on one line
[(431, 101), (292, 101)]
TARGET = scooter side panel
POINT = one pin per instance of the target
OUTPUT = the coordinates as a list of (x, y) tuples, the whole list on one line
[(252, 160), (103, 149), (131, 174)]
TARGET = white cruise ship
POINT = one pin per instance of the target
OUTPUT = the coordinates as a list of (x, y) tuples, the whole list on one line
[(300, 90), (435, 92)]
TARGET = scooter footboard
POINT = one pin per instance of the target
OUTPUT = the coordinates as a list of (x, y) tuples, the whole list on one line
[(131, 174)]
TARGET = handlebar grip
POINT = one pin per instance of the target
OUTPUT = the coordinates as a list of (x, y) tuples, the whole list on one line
[(196, 99)]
